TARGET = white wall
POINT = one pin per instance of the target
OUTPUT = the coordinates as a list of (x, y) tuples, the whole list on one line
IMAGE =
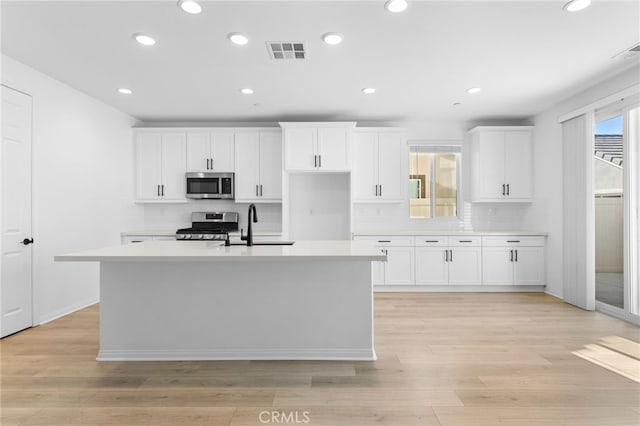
[(82, 186), (546, 211)]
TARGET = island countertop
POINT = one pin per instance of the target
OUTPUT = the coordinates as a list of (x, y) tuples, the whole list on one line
[(190, 251)]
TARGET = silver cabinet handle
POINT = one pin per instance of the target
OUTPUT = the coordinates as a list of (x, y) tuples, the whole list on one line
[(207, 164), (450, 255), (376, 190), (256, 190), (513, 241), (261, 190), (158, 190), (504, 189), (511, 256), (319, 161), (507, 189), (446, 255), (162, 189), (211, 163), (516, 255), (315, 161), (381, 190)]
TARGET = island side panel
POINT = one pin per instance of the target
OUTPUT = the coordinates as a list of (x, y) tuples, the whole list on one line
[(236, 310)]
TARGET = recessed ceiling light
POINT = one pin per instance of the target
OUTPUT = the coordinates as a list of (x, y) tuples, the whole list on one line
[(239, 39), (124, 91), (144, 39), (332, 38), (368, 90), (473, 90), (246, 91), (576, 5), (396, 6), (192, 7)]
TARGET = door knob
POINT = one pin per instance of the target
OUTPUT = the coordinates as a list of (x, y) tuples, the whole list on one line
[(27, 241)]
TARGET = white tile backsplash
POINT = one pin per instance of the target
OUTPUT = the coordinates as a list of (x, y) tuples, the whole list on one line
[(174, 216)]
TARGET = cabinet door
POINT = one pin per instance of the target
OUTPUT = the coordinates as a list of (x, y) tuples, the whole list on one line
[(431, 267), (488, 163), (364, 162), (529, 266), (198, 151), (270, 166), (399, 267), (497, 267), (174, 166), (247, 161), (148, 166), (300, 148), (377, 273), (465, 266), (222, 152), (390, 161), (518, 165), (333, 149)]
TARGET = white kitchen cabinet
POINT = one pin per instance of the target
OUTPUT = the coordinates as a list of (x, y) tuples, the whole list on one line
[(258, 166), (321, 147), (399, 267), (377, 166), (160, 166), (210, 151), (513, 260), (502, 160), (442, 260)]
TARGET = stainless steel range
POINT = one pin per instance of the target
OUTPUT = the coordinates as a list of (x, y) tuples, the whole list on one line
[(209, 226)]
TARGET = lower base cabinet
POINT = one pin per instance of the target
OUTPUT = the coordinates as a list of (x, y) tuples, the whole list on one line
[(459, 260), (448, 261), (513, 261), (399, 267)]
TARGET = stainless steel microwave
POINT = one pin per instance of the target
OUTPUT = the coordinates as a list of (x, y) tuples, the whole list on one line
[(210, 185)]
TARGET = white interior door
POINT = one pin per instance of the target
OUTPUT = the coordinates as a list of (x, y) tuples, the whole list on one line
[(15, 291)]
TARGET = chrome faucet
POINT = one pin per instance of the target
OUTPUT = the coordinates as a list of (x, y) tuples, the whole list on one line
[(249, 237)]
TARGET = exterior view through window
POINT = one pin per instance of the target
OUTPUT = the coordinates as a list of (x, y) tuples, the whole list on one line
[(433, 182), (608, 172)]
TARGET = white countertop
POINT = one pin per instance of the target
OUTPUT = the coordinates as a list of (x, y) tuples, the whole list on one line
[(188, 251), (172, 232), (447, 233)]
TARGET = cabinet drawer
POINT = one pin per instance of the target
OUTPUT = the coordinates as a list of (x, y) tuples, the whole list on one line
[(465, 241), (387, 241), (432, 241), (513, 241)]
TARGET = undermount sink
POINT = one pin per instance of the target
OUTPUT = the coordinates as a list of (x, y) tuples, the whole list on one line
[(264, 243)]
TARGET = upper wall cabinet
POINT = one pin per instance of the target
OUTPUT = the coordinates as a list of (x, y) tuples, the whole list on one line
[(502, 162), (258, 166), (322, 147), (210, 151), (377, 170), (160, 166)]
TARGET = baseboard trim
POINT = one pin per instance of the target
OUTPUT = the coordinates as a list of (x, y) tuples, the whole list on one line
[(66, 311), (459, 289), (238, 355)]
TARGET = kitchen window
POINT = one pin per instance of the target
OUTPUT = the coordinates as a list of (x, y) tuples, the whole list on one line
[(434, 176)]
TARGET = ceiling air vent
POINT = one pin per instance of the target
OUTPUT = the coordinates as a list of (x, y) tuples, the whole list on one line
[(287, 49), (629, 53)]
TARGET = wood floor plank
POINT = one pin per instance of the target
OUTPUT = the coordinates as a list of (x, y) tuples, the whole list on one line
[(624, 346), (443, 358)]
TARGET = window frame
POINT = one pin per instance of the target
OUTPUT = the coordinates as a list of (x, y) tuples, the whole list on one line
[(455, 147)]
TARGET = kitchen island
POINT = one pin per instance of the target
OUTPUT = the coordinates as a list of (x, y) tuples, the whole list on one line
[(197, 300)]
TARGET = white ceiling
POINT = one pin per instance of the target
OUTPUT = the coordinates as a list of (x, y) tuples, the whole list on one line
[(525, 55)]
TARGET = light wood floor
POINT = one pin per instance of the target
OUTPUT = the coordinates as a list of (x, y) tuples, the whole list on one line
[(444, 359)]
